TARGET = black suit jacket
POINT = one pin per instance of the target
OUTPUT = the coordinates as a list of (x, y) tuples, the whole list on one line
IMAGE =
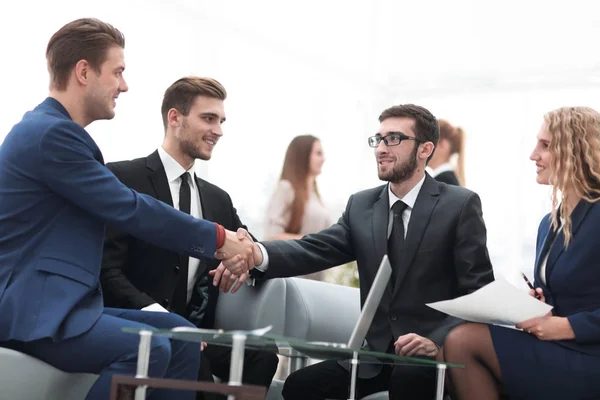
[(448, 177), (135, 273), (445, 256)]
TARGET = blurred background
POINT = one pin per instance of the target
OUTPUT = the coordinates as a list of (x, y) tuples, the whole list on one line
[(328, 68)]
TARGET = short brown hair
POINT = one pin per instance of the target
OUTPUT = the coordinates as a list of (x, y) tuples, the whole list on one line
[(182, 93), (83, 39), (426, 125)]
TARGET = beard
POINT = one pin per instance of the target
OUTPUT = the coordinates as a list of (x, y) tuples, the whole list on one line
[(401, 172), (190, 146)]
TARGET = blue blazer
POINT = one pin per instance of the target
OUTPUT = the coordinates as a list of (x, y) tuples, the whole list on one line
[(56, 196), (573, 275)]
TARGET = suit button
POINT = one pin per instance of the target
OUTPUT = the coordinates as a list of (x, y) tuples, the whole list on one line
[(393, 318), (177, 269), (165, 303)]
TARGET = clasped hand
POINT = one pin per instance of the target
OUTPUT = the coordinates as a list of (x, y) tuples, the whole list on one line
[(232, 269), (238, 251)]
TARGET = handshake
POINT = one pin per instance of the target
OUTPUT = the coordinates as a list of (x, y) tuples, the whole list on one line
[(238, 256)]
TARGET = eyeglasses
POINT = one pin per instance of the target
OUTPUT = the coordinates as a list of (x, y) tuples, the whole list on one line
[(391, 139)]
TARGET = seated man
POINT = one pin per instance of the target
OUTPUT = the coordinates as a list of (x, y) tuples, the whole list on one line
[(141, 276), (435, 237)]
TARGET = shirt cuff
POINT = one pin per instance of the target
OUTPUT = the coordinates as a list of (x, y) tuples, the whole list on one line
[(220, 236), (155, 307), (264, 265)]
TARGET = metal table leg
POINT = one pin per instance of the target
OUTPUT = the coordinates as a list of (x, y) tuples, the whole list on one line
[(236, 368), (353, 374), (142, 362), (441, 375)]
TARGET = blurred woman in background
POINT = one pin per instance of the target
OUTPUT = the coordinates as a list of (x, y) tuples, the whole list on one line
[(451, 143), (296, 209)]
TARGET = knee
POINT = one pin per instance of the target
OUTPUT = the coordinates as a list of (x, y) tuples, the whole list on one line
[(171, 320), (461, 338), (292, 387)]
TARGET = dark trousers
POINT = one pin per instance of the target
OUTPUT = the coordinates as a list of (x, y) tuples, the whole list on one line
[(107, 351), (259, 368), (329, 380)]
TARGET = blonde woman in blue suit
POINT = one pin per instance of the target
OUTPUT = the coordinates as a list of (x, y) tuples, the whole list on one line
[(556, 356)]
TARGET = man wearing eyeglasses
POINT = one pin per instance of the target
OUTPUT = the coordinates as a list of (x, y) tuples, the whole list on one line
[(435, 238)]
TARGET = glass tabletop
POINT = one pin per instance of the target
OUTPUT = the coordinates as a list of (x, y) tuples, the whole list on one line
[(262, 339)]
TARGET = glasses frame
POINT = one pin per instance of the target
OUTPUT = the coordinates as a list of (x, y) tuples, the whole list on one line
[(400, 136)]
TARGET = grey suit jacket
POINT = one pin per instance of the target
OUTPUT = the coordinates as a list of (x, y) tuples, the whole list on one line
[(445, 256)]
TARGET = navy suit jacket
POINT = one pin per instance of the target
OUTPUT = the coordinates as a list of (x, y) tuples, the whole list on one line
[(573, 275), (55, 197)]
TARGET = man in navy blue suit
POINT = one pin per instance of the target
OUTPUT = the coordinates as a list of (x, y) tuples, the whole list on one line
[(56, 196)]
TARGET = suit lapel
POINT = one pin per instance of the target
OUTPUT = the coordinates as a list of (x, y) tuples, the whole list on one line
[(209, 205), (548, 239), (419, 219), (158, 177), (577, 217), (379, 226)]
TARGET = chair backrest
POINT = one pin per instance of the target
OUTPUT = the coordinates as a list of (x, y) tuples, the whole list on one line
[(24, 378), (319, 311), (296, 307), (253, 307)]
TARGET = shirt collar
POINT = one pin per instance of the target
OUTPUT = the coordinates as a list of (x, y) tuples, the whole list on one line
[(173, 169), (410, 198)]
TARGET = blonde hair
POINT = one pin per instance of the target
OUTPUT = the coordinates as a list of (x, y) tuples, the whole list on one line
[(456, 137), (575, 151)]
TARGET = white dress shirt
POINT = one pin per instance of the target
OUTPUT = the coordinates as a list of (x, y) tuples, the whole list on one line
[(174, 170), (409, 199)]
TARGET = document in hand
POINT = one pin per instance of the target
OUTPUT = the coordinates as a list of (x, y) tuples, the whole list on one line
[(498, 303)]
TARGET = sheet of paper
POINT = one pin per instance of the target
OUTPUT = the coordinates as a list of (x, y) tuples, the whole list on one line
[(498, 303)]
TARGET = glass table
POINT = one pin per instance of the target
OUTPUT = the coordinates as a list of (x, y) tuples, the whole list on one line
[(262, 339)]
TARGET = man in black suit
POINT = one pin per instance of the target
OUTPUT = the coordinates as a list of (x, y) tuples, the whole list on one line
[(435, 237), (141, 276)]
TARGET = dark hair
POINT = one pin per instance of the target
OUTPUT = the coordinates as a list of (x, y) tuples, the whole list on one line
[(426, 126), (183, 92), (83, 39), (296, 166)]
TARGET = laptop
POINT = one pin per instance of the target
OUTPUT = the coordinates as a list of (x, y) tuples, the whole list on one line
[(363, 323), (371, 303)]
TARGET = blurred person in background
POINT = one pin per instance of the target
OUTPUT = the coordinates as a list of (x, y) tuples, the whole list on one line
[(296, 208), (451, 144)]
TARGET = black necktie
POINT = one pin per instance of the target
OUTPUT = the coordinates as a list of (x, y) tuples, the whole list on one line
[(396, 240), (180, 295)]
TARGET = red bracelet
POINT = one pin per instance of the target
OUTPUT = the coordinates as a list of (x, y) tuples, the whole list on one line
[(220, 236)]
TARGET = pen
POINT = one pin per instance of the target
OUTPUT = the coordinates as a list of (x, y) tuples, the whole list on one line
[(537, 296)]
